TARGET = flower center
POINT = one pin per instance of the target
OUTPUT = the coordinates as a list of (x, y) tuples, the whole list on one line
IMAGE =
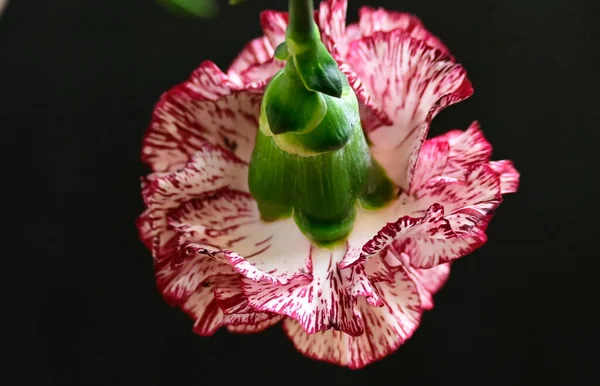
[(311, 159)]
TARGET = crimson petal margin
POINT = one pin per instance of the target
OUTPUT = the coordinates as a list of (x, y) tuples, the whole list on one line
[(420, 81), (509, 176), (385, 328), (373, 20), (467, 149), (254, 66), (208, 107)]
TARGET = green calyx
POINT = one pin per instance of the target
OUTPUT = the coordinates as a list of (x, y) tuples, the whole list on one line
[(311, 159)]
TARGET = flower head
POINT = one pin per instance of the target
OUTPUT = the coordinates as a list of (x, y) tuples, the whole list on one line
[(355, 301)]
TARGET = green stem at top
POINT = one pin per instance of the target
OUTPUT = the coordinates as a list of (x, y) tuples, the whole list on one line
[(302, 26)]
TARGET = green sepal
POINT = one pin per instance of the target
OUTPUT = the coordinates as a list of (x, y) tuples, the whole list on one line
[(319, 71), (332, 133), (379, 190), (281, 52), (324, 187), (272, 212), (289, 107), (326, 232)]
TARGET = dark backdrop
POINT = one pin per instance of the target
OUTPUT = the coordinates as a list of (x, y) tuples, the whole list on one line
[(78, 80)]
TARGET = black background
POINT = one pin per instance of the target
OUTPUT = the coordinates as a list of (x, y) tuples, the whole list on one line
[(78, 80)]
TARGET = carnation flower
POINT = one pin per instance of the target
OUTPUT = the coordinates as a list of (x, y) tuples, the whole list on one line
[(349, 282)]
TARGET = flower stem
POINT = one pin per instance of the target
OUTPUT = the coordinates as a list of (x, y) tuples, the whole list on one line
[(302, 26)]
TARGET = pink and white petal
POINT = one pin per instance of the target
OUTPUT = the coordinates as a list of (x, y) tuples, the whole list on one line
[(327, 301), (419, 81), (375, 20), (274, 24), (202, 307), (378, 267), (229, 295), (386, 328), (468, 206), (228, 225), (432, 279), (427, 252), (238, 315), (254, 328), (478, 191), (509, 176), (468, 149), (430, 222), (255, 53), (258, 76), (371, 115), (178, 278), (332, 23), (428, 281), (246, 321), (209, 107), (433, 159), (209, 170)]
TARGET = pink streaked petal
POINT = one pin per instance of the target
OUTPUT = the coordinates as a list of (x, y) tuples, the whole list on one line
[(386, 328), (378, 267), (180, 276), (254, 328), (410, 82), (332, 23), (427, 252), (371, 115), (374, 20), (274, 24), (229, 295), (255, 53), (227, 224), (509, 176), (245, 321), (202, 307), (468, 206), (328, 301), (258, 76), (433, 159), (431, 222), (480, 186), (428, 281), (209, 107), (468, 149), (209, 170)]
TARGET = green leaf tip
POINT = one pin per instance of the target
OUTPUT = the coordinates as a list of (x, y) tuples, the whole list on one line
[(205, 9)]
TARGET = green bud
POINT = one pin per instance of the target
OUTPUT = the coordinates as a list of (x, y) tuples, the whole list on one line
[(281, 52), (289, 107), (319, 71)]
